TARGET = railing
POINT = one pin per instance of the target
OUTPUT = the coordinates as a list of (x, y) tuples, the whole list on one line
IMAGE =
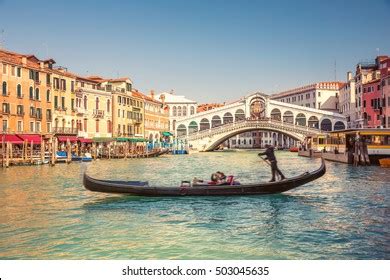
[(98, 113), (258, 124), (68, 130)]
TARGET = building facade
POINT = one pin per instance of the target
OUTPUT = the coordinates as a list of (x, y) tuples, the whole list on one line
[(385, 92), (178, 107), (24, 105), (93, 109), (347, 100), (323, 95), (63, 97), (156, 118)]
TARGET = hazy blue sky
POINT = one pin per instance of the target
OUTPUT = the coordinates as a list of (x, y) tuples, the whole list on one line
[(207, 50)]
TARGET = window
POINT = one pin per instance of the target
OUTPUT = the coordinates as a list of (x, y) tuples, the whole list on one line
[(19, 110), (174, 111), (4, 68), (37, 97), (13, 72), (85, 124), (6, 108), (31, 126), (48, 127), (5, 125), (364, 103), (31, 93), (108, 105), (4, 88), (55, 102), (63, 102), (179, 111), (319, 105), (97, 103), (48, 79), (184, 111), (109, 128), (72, 86), (38, 127), (32, 111), (20, 126), (85, 102), (119, 113), (19, 91), (19, 72), (63, 84), (48, 114), (48, 96), (72, 104), (56, 83)]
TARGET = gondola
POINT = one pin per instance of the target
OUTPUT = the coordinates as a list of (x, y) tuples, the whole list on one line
[(187, 189)]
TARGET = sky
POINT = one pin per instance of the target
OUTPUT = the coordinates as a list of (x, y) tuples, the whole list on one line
[(208, 51)]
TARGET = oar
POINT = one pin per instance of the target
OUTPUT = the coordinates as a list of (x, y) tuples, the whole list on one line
[(277, 174)]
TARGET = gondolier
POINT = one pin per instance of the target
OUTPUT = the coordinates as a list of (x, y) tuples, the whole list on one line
[(269, 152)]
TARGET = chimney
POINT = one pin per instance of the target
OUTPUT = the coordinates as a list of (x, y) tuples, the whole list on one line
[(349, 76), (152, 94), (41, 65)]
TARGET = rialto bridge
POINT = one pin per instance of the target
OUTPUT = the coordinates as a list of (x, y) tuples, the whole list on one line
[(207, 130)]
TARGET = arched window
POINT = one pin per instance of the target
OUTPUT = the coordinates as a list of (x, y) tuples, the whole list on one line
[(4, 88), (192, 110), (48, 96), (179, 111), (37, 94), (19, 91), (109, 127), (97, 103), (184, 111), (108, 105), (174, 113), (85, 102), (31, 92)]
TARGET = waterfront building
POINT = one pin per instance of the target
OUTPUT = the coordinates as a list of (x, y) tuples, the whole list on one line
[(127, 107), (156, 119), (93, 109), (322, 95), (25, 93), (347, 100), (62, 96), (385, 91), (371, 104), (178, 107)]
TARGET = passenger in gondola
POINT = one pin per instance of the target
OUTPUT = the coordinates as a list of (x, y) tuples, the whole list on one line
[(218, 178), (270, 156)]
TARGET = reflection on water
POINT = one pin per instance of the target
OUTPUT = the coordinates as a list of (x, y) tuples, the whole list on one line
[(45, 213)]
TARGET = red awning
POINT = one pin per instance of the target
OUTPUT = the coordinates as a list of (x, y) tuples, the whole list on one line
[(11, 138), (35, 138), (84, 140), (65, 138)]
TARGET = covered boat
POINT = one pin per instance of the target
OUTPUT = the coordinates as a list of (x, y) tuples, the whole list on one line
[(188, 189)]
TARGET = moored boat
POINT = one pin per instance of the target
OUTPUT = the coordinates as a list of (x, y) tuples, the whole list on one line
[(384, 162), (294, 149), (187, 189)]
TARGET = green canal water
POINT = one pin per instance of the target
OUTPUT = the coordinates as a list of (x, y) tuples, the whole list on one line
[(45, 213)]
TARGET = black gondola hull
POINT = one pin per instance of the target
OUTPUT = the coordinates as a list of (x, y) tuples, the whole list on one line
[(143, 188)]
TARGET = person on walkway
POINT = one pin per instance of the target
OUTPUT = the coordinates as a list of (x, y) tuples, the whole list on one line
[(269, 152)]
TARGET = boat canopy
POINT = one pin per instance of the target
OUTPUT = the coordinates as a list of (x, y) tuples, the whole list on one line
[(102, 139), (85, 140)]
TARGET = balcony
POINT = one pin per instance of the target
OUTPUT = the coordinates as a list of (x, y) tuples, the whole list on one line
[(67, 130), (80, 110), (21, 114), (37, 82), (99, 114), (5, 112)]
